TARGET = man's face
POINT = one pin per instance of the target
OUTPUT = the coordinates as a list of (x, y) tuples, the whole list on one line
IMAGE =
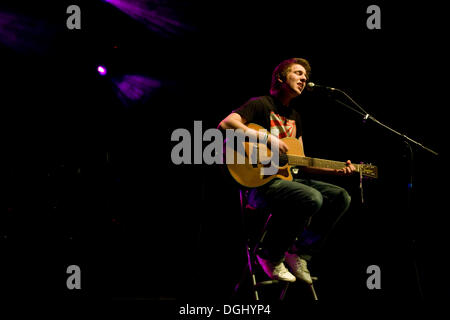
[(295, 79)]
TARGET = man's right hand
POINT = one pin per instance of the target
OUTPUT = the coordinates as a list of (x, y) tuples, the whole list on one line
[(282, 147)]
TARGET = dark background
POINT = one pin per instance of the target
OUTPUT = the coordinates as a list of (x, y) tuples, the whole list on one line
[(89, 181)]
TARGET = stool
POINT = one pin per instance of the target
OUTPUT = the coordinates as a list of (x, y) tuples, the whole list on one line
[(249, 269)]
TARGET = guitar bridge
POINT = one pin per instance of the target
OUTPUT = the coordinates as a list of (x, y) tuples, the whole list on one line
[(282, 172)]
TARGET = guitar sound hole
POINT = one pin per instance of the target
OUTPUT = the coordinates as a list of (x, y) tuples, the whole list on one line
[(283, 160)]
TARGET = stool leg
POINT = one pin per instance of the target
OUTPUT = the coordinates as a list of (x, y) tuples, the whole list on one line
[(252, 274), (249, 256), (313, 291), (241, 281), (248, 268), (283, 292)]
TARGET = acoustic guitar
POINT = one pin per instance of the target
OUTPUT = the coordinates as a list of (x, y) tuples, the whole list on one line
[(248, 173)]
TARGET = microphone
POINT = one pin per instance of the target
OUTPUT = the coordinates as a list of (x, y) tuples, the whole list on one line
[(312, 86)]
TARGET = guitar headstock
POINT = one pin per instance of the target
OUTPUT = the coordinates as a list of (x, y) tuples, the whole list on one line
[(369, 170)]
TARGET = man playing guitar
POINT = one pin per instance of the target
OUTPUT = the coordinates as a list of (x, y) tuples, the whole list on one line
[(304, 211)]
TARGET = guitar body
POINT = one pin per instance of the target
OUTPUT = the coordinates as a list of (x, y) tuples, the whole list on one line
[(247, 162), (250, 175)]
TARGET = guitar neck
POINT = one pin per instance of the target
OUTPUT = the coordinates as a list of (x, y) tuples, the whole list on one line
[(317, 163)]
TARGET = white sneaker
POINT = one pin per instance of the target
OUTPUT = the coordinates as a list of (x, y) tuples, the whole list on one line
[(299, 267), (276, 271)]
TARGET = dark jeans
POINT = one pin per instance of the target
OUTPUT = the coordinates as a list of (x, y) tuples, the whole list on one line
[(303, 211)]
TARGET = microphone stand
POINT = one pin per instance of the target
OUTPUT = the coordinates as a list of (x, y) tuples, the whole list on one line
[(366, 116), (408, 141)]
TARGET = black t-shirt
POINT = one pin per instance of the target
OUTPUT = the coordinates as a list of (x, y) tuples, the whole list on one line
[(270, 113)]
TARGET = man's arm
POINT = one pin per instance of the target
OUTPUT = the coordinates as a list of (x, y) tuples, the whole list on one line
[(235, 121)]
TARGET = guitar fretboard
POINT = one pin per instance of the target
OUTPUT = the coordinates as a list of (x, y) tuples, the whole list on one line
[(318, 163)]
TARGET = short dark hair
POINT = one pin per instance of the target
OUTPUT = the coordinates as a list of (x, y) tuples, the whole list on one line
[(283, 68)]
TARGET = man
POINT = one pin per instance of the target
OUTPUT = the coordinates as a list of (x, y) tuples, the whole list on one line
[(303, 211)]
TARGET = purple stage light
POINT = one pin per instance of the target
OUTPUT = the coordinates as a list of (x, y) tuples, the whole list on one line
[(135, 88), (156, 15), (101, 70), (25, 34)]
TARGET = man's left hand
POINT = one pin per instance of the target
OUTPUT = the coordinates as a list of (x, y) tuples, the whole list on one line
[(348, 169)]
